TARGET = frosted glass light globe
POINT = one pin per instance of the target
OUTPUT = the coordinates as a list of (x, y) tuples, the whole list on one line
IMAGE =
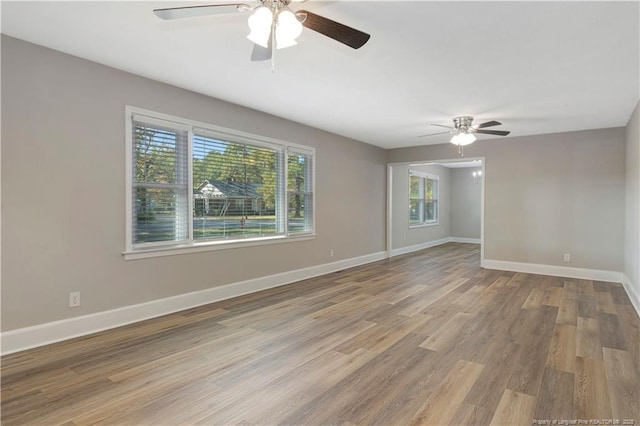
[(260, 26), (288, 28), (463, 139)]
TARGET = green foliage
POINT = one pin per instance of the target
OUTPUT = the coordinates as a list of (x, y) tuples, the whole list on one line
[(242, 163), (268, 190), (295, 181), (414, 187), (155, 162), (146, 216), (207, 168), (155, 158)]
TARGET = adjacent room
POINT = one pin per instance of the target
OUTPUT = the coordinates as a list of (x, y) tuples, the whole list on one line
[(320, 212)]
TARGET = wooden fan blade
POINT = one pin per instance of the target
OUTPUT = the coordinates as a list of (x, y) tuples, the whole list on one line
[(260, 53), (335, 30), (433, 134), (493, 132), (193, 11), (442, 125), (488, 124)]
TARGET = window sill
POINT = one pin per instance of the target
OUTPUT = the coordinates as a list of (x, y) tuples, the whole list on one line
[(423, 225), (211, 246)]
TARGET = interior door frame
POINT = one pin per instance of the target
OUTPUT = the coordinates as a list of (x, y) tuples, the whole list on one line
[(439, 161)]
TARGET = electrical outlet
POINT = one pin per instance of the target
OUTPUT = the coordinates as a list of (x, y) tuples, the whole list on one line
[(331, 253), (567, 257), (74, 299)]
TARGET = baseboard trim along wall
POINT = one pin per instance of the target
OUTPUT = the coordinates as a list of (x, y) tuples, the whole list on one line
[(465, 240), (631, 292), (416, 247), (429, 244), (556, 271), (56, 331)]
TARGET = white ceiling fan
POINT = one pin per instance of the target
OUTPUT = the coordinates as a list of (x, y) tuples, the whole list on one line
[(273, 25), (464, 133)]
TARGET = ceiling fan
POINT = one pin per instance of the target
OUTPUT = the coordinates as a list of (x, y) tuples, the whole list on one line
[(464, 133), (273, 25)]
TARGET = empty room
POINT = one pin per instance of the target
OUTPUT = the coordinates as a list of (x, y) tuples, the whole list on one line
[(282, 212)]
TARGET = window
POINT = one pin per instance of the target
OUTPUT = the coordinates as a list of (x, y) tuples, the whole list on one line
[(160, 184), (193, 185), (423, 199), (299, 191)]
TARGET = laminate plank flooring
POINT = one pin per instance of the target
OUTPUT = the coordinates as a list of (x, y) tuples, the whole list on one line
[(424, 338)]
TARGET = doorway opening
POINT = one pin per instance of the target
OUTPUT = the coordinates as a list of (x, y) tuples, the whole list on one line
[(434, 202)]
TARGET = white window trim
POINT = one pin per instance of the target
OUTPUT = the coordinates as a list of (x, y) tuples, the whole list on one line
[(143, 251), (428, 222)]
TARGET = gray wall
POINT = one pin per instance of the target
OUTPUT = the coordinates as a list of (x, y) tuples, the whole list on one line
[(549, 194), (466, 209), (402, 235), (63, 189), (632, 213)]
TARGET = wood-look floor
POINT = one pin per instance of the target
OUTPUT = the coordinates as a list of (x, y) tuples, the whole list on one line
[(425, 338)]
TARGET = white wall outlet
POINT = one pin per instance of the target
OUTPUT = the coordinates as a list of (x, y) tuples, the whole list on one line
[(331, 253), (567, 257), (74, 299)]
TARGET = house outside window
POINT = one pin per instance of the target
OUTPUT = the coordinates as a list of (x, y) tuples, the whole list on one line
[(194, 185), (423, 199)]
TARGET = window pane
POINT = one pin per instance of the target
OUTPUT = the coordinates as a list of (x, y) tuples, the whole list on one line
[(428, 189), (160, 170), (414, 187), (299, 219), (434, 189), (414, 211), (156, 154), (158, 215), (235, 189), (431, 210), (299, 193)]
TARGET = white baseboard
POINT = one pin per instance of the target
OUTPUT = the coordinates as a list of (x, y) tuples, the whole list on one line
[(465, 240), (56, 331), (556, 271), (429, 244), (632, 292), (416, 247)]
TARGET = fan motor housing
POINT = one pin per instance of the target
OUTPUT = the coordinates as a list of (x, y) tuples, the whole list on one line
[(463, 122)]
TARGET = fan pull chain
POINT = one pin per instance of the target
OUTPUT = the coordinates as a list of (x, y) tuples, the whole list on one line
[(273, 41)]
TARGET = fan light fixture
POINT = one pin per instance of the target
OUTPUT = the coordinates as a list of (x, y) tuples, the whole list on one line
[(464, 133), (463, 139), (273, 25), (287, 27)]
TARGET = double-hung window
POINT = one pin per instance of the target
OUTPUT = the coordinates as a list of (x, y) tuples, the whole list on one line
[(192, 185), (423, 198)]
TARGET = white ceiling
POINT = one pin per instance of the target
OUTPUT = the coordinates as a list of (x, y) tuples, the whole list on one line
[(538, 67)]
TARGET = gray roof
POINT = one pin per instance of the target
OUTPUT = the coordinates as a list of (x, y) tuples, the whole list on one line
[(228, 189)]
